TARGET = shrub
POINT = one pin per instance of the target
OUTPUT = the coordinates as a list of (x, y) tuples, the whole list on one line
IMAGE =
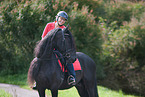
[(123, 54), (87, 34), (138, 25), (18, 25), (119, 12)]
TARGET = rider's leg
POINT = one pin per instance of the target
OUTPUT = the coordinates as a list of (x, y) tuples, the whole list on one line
[(72, 74)]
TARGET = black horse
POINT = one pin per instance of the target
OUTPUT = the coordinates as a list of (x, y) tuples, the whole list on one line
[(44, 69)]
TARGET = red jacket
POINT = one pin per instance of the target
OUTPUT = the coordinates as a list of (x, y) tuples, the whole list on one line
[(49, 27)]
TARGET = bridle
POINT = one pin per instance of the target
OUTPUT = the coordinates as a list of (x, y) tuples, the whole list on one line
[(66, 53)]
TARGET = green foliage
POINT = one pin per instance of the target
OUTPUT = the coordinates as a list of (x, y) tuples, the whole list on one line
[(15, 79), (118, 12), (95, 7), (86, 34), (122, 11), (138, 9), (18, 25), (122, 45), (138, 26), (123, 51)]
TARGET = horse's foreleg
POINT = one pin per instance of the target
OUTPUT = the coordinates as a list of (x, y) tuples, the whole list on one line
[(41, 92), (54, 93)]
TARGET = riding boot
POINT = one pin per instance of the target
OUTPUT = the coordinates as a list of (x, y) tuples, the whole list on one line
[(72, 74)]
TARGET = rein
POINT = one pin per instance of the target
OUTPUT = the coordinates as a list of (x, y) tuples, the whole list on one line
[(65, 55), (50, 59)]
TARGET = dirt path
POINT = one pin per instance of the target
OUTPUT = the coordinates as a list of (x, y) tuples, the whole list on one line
[(16, 91)]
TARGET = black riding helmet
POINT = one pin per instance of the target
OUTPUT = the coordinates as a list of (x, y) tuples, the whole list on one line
[(62, 14)]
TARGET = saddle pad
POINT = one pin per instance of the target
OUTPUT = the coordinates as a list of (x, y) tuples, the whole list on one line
[(76, 65)]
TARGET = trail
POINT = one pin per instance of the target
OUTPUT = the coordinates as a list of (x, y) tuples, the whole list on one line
[(16, 91)]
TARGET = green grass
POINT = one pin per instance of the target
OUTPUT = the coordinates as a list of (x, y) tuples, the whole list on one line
[(17, 79), (3, 93), (103, 92), (21, 80)]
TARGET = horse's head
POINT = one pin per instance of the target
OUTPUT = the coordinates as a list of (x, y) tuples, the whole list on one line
[(66, 45), (59, 39)]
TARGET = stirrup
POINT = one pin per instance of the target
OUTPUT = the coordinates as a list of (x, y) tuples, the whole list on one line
[(73, 82)]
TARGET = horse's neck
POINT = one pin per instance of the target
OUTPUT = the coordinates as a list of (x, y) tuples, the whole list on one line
[(52, 63), (47, 54)]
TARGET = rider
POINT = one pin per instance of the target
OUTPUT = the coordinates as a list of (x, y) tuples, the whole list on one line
[(61, 18)]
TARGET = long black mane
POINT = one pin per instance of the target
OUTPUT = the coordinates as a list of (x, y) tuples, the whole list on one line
[(45, 42)]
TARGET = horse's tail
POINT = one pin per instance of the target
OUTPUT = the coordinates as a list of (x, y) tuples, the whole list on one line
[(31, 73)]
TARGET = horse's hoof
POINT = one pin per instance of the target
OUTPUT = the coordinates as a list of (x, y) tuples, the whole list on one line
[(34, 88)]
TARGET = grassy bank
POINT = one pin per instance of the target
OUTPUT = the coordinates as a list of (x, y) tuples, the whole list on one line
[(3, 93), (21, 80)]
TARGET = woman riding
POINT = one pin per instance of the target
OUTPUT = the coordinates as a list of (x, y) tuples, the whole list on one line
[(61, 18)]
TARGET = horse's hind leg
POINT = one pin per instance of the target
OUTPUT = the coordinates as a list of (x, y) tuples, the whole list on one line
[(96, 90), (41, 92), (91, 88), (81, 89), (92, 91)]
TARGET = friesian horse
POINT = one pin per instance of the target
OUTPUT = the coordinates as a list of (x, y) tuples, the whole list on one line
[(44, 68)]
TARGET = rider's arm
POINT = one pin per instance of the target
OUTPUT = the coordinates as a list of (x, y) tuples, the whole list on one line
[(45, 30)]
